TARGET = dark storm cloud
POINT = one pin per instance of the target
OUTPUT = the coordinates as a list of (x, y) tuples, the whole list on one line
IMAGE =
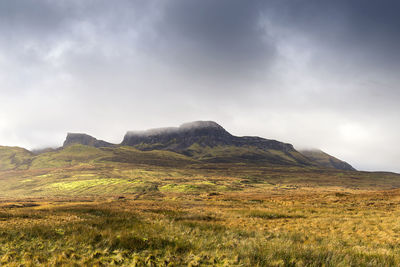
[(365, 31), (32, 17), (222, 37), (221, 34)]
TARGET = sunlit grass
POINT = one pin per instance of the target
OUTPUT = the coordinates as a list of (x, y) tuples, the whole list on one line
[(285, 230)]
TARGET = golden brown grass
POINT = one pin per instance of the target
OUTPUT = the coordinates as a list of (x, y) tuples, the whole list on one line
[(277, 228)]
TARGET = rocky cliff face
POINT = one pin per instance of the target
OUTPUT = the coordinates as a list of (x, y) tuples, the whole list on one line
[(84, 139), (208, 141), (325, 160), (208, 134), (203, 133)]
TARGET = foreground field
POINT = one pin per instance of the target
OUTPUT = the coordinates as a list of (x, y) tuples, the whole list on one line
[(275, 228)]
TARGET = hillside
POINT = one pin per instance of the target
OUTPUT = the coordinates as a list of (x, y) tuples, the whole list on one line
[(208, 141), (79, 170), (14, 158), (325, 160)]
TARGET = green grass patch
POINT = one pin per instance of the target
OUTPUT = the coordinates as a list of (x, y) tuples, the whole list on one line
[(81, 184), (272, 215), (179, 187)]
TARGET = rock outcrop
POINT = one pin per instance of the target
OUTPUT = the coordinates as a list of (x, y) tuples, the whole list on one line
[(203, 133), (209, 141), (84, 139), (209, 134)]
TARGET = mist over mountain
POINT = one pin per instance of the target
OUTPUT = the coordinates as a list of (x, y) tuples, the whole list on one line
[(209, 141), (84, 139), (204, 133), (204, 141)]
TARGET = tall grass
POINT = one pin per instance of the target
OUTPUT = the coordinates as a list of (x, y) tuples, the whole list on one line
[(216, 232)]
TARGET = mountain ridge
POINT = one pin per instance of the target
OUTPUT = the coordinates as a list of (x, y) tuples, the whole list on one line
[(84, 139), (209, 141), (208, 133), (202, 141)]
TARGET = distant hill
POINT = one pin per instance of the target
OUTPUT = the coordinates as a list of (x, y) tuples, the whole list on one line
[(325, 160), (208, 141)]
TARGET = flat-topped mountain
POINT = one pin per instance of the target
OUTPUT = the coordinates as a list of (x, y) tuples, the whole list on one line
[(208, 141), (203, 133)]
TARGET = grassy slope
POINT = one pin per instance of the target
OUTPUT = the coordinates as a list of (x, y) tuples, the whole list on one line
[(82, 170), (14, 158), (244, 154), (325, 160)]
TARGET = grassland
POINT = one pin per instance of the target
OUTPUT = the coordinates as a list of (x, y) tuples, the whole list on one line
[(84, 206)]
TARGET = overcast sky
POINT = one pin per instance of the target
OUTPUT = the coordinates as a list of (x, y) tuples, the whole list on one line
[(321, 74)]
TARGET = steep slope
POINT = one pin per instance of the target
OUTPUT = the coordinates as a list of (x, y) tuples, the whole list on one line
[(207, 140), (84, 139), (325, 160), (204, 133)]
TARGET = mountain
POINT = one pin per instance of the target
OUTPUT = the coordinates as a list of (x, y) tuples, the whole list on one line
[(325, 160), (208, 141), (203, 133), (84, 139)]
